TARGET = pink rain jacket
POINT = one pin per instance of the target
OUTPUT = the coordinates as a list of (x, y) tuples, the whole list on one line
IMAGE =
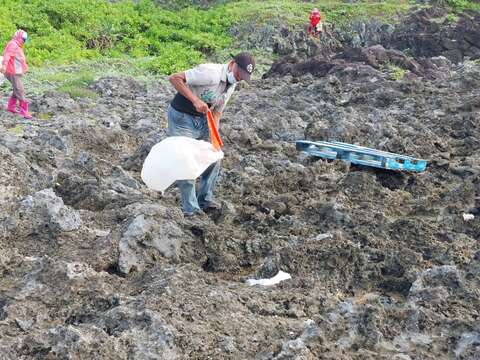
[(315, 18), (13, 56)]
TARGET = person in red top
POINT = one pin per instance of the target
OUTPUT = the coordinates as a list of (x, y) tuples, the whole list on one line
[(14, 65), (314, 26)]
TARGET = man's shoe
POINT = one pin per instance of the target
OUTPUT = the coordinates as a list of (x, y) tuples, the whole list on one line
[(198, 218), (193, 214), (210, 206)]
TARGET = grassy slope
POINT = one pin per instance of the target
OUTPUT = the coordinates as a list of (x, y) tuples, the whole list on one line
[(296, 12), (96, 37), (66, 31)]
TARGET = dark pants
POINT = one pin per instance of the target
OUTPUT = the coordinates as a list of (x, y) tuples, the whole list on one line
[(196, 127), (17, 84)]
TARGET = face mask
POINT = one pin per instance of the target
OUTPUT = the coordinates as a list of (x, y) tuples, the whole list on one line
[(231, 78)]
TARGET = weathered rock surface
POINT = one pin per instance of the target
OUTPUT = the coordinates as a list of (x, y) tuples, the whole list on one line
[(383, 266)]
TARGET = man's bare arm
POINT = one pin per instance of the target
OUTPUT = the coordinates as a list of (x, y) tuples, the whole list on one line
[(179, 82)]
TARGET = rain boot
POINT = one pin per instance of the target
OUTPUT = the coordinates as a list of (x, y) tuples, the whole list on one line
[(24, 110), (12, 105)]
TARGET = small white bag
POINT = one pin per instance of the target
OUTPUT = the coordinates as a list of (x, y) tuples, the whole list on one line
[(177, 158)]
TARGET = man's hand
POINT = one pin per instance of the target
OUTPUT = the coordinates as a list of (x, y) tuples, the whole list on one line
[(201, 106), (3, 69)]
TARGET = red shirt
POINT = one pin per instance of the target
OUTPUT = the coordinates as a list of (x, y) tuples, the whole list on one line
[(315, 19)]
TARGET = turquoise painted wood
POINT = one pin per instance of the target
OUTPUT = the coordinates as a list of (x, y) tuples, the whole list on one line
[(361, 155)]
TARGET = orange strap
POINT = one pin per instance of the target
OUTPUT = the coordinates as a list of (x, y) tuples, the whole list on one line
[(214, 136)]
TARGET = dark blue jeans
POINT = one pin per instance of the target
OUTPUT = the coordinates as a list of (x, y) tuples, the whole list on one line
[(196, 127)]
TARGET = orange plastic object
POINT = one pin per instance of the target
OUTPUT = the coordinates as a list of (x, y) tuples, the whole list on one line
[(214, 136)]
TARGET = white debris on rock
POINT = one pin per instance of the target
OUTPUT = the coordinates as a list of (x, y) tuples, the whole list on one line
[(323, 236), (281, 276), (468, 217)]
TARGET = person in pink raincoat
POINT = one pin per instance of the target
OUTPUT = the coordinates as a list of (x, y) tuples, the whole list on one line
[(314, 27), (14, 65)]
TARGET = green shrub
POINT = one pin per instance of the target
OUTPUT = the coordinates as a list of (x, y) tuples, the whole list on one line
[(396, 72), (461, 4), (77, 91), (451, 18), (76, 85), (65, 31), (172, 58)]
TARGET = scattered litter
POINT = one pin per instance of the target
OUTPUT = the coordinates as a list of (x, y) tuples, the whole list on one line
[(323, 236), (101, 233), (272, 281), (468, 217), (31, 258)]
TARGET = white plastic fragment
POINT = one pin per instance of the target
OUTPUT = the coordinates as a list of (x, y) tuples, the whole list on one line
[(468, 217), (272, 281), (177, 158), (323, 236)]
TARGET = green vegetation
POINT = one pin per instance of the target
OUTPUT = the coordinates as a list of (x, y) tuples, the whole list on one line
[(17, 130), (65, 31), (149, 36), (460, 5), (77, 91), (396, 72), (451, 18), (74, 79), (333, 11), (77, 86)]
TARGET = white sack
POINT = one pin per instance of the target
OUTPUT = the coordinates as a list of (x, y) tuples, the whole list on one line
[(177, 158)]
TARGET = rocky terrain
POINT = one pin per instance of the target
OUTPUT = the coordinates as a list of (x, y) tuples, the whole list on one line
[(93, 265)]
